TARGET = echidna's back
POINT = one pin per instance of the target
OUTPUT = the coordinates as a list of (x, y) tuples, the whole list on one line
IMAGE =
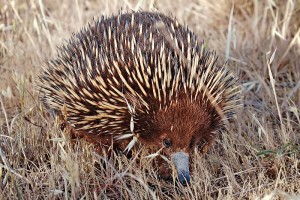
[(140, 61), (83, 78)]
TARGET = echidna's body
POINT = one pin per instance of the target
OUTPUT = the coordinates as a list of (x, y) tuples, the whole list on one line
[(140, 77)]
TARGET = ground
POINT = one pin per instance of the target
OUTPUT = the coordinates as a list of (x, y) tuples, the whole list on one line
[(256, 156)]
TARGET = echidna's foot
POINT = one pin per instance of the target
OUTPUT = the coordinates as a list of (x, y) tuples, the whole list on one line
[(164, 170), (165, 175)]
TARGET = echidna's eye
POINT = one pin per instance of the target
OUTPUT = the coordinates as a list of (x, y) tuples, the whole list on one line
[(167, 142)]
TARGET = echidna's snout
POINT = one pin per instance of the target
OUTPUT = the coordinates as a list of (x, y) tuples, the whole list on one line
[(181, 162)]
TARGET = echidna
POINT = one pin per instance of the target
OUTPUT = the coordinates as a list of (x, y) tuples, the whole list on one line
[(140, 77)]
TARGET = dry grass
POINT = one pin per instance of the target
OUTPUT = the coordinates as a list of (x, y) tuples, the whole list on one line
[(257, 157)]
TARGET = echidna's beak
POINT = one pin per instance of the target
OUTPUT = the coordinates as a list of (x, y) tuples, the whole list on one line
[(181, 162)]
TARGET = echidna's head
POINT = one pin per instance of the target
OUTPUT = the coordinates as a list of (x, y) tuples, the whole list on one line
[(179, 128)]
